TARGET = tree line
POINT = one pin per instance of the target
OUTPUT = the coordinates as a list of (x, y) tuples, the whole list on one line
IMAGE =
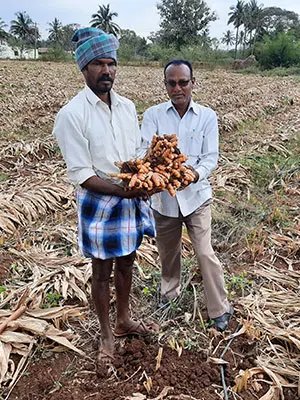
[(272, 34)]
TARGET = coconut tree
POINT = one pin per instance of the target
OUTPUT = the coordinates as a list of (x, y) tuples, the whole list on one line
[(55, 31), (205, 40), (253, 20), (228, 38), (103, 19), (3, 33), (24, 29), (242, 41), (236, 18)]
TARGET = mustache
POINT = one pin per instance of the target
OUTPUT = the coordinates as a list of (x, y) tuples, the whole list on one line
[(105, 78)]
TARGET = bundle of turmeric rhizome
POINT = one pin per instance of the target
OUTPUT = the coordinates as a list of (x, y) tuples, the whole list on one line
[(162, 168)]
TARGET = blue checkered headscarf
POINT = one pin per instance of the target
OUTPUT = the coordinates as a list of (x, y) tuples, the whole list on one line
[(94, 43)]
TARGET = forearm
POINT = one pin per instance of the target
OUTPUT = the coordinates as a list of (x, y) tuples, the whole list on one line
[(207, 164), (99, 185)]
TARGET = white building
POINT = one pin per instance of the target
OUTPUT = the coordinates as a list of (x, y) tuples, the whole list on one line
[(7, 51)]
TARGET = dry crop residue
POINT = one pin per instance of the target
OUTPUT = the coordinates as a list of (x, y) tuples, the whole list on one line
[(255, 233)]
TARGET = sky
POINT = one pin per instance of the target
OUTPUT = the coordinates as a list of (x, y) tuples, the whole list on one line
[(138, 15)]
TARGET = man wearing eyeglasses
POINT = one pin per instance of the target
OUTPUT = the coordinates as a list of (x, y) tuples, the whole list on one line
[(197, 130)]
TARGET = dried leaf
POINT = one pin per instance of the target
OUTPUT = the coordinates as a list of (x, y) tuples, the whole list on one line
[(218, 361)]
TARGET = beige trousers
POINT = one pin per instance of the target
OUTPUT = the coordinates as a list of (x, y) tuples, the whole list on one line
[(169, 232)]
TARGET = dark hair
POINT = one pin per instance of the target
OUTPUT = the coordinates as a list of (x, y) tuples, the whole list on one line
[(179, 62)]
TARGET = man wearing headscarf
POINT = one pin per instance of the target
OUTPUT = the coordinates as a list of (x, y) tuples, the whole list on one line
[(96, 129)]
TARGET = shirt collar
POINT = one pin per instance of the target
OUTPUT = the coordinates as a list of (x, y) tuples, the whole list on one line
[(192, 106), (94, 99)]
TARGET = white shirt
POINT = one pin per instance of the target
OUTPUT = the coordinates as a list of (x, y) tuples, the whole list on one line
[(92, 136), (198, 138)]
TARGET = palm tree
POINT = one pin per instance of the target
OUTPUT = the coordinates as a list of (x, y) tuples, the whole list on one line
[(237, 18), (242, 41), (228, 38), (103, 20), (55, 31), (205, 40), (253, 21), (24, 29), (3, 33), (257, 19)]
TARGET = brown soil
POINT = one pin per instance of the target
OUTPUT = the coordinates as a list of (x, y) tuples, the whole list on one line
[(65, 376), (189, 374)]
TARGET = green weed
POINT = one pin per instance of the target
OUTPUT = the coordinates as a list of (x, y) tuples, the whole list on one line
[(266, 168), (52, 299), (14, 267), (238, 284), (256, 239), (2, 289), (279, 216), (190, 343), (3, 177), (149, 291)]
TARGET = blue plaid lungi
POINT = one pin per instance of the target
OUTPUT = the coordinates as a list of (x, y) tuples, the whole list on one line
[(110, 226)]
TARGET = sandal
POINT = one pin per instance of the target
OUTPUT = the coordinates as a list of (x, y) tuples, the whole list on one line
[(138, 328)]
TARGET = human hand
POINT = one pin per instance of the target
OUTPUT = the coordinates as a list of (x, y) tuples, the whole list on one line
[(196, 174), (133, 193), (155, 190)]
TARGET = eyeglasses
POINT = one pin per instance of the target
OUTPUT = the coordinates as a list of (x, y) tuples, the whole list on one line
[(181, 83)]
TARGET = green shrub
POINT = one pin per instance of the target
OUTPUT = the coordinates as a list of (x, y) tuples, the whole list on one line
[(56, 54), (162, 54), (281, 51), (126, 53), (280, 71), (198, 55)]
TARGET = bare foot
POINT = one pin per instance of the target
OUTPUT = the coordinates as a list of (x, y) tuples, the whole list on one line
[(106, 350), (135, 328), (105, 357)]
